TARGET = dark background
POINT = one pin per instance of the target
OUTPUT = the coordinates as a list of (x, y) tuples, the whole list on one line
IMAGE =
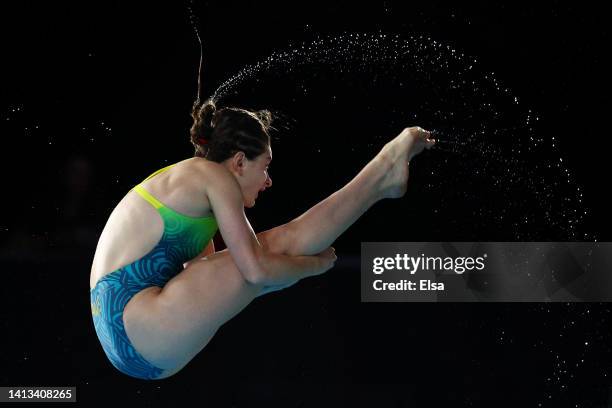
[(95, 97)]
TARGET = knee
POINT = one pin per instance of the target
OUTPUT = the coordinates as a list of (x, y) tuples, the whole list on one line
[(279, 240)]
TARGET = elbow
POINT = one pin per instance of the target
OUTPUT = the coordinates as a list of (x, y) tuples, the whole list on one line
[(255, 279), (256, 274)]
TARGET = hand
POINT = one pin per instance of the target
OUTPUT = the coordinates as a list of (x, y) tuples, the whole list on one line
[(418, 140), (327, 258)]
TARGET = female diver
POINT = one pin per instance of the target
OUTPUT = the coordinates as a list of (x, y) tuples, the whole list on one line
[(159, 291)]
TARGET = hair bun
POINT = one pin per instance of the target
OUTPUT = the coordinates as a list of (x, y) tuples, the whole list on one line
[(217, 134), (207, 114)]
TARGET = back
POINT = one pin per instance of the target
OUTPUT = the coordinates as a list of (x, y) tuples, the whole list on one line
[(135, 226)]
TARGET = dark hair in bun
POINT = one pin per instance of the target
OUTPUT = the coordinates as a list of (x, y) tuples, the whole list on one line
[(218, 134)]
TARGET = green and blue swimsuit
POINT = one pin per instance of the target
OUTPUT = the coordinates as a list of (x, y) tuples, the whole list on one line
[(183, 239)]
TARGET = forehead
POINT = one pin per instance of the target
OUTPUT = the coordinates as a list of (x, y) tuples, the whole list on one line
[(267, 155)]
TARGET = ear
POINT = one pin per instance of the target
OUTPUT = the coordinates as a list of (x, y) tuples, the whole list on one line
[(238, 162)]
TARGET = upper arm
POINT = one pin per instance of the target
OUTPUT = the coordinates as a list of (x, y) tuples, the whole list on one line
[(227, 205)]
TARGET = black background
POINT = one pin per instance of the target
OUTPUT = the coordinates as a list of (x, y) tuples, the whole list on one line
[(71, 72)]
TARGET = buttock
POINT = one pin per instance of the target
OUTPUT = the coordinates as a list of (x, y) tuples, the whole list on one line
[(108, 300)]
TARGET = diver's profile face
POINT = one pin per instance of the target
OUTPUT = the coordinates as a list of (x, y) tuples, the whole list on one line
[(255, 177)]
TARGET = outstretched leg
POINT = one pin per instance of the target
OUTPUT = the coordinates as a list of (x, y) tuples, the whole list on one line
[(385, 176)]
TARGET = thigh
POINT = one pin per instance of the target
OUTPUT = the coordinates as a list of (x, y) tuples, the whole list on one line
[(170, 326)]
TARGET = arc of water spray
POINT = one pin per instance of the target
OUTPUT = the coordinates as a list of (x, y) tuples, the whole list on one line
[(192, 18)]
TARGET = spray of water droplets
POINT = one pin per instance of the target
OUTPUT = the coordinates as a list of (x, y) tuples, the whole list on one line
[(494, 162)]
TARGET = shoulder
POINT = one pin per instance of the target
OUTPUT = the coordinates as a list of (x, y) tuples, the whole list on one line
[(209, 170), (212, 174), (220, 186)]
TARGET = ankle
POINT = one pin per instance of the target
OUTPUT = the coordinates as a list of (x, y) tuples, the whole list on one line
[(382, 168)]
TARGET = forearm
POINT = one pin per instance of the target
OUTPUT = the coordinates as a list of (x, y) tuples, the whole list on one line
[(284, 269)]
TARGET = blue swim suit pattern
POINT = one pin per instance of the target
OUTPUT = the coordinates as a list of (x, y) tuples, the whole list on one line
[(183, 239)]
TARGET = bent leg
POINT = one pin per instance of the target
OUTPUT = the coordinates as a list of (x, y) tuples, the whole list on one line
[(170, 326)]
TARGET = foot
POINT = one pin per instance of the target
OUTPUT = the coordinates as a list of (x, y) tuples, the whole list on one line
[(397, 155)]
